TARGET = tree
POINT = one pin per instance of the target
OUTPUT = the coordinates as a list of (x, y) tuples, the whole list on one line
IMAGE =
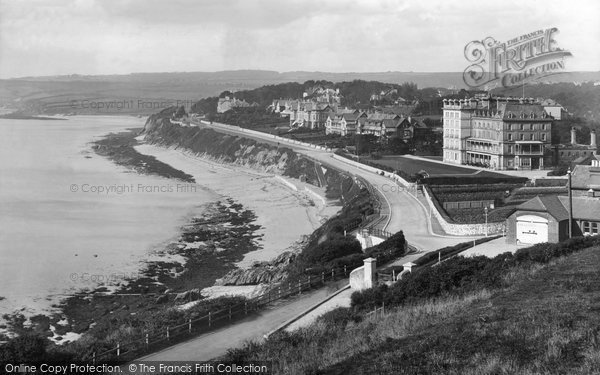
[(398, 146)]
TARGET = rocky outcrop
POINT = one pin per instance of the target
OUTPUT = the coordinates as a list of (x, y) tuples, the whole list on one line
[(261, 273)]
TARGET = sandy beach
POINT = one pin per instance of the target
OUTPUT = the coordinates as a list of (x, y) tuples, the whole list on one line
[(286, 208)]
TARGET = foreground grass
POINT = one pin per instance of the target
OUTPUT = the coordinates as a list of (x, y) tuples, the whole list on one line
[(544, 320)]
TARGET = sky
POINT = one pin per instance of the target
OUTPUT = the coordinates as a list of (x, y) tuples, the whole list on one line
[(61, 37)]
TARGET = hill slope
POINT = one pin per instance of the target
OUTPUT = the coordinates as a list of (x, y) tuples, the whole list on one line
[(537, 316)]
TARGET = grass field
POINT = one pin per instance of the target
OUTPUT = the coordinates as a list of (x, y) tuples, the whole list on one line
[(412, 166)]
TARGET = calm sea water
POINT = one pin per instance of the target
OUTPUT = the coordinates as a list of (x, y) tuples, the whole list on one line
[(70, 219)]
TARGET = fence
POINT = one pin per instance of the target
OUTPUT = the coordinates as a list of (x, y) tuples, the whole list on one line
[(151, 341), (378, 312), (465, 205)]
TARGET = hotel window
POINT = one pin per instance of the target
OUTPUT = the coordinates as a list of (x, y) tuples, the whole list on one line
[(522, 137), (510, 137), (544, 137), (543, 126), (522, 127), (531, 137), (595, 228)]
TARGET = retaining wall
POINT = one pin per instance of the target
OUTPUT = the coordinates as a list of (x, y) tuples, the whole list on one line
[(463, 229)]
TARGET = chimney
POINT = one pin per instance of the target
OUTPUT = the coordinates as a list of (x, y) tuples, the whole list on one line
[(573, 137), (593, 138)]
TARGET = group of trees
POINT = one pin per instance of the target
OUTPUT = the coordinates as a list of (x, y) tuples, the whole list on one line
[(355, 94)]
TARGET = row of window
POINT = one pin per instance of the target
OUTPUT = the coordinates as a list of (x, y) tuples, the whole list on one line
[(451, 114), (576, 153), (523, 137)]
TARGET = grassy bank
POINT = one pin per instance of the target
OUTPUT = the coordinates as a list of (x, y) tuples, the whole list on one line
[(535, 312)]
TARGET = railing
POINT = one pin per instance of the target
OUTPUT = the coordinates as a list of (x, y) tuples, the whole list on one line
[(378, 312), (151, 341), (376, 232)]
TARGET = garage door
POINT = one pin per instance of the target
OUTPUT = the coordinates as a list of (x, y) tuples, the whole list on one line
[(532, 229)]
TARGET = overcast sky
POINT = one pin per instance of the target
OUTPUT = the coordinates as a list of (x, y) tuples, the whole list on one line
[(49, 37)]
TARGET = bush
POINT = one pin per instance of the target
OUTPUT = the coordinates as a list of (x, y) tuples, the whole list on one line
[(339, 317), (326, 251), (459, 274), (23, 349)]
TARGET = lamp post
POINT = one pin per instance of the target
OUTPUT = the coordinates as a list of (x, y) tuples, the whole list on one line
[(570, 204), (485, 210)]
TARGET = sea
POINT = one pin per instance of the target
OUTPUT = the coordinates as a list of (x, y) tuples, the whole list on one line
[(71, 220)]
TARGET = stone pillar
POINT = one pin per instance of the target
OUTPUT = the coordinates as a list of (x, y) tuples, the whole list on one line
[(370, 268), (573, 137), (408, 266), (593, 138)]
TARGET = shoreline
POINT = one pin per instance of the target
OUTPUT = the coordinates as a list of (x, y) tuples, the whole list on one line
[(235, 226)]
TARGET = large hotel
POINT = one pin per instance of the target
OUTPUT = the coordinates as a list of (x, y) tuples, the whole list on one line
[(499, 133)]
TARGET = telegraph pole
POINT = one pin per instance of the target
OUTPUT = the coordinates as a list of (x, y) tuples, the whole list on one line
[(570, 206)]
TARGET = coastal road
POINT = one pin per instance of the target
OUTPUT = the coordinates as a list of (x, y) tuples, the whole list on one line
[(406, 212)]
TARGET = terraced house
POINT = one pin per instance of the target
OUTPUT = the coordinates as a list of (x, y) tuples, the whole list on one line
[(499, 133)]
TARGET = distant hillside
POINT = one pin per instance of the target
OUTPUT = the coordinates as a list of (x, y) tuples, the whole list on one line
[(146, 93)]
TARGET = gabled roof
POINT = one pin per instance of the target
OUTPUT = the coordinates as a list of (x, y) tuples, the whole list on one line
[(350, 116), (584, 208), (548, 203)]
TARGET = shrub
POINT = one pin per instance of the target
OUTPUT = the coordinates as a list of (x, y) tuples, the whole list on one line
[(339, 317), (459, 274), (336, 247), (25, 348)]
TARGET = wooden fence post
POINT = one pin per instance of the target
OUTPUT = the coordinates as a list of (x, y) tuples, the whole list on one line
[(323, 276), (118, 349), (309, 283), (299, 287), (345, 271), (190, 325), (332, 273), (246, 307), (168, 334), (279, 292), (209, 319), (94, 358), (393, 275), (147, 340)]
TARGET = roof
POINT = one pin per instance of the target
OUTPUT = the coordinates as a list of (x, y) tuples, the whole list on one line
[(350, 116), (584, 208), (548, 203), (381, 116), (585, 177), (510, 110)]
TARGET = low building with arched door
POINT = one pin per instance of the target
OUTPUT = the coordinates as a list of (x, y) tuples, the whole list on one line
[(546, 219)]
